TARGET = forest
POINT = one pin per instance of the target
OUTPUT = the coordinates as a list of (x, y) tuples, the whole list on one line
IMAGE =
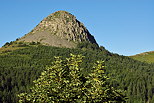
[(19, 68)]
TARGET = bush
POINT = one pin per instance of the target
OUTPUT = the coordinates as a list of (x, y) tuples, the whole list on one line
[(33, 43), (6, 44)]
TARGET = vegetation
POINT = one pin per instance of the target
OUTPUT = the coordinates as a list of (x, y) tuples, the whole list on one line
[(63, 82), (86, 45), (145, 57), (14, 45), (19, 68)]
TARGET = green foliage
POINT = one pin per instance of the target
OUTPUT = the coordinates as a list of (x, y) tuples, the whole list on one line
[(17, 39), (6, 44), (19, 68), (22, 44), (33, 43), (57, 14), (147, 57), (63, 82), (87, 45)]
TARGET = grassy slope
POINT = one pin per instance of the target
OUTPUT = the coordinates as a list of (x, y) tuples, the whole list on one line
[(14, 46), (9, 49), (145, 57)]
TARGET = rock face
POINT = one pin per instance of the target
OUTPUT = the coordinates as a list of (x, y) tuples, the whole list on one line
[(60, 29)]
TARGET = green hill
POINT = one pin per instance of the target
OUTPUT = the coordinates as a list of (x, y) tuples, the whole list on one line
[(19, 68), (145, 57)]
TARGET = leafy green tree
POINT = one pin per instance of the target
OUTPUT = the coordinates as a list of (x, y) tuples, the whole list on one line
[(63, 82)]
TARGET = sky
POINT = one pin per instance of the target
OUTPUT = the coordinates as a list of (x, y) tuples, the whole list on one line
[(125, 27)]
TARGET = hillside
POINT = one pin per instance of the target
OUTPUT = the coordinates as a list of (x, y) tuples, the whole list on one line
[(59, 34), (19, 68), (144, 57)]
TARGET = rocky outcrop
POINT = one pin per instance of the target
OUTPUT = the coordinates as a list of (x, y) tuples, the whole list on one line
[(60, 25)]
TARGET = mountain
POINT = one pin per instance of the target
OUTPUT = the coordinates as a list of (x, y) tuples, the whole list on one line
[(23, 60), (60, 29), (144, 57)]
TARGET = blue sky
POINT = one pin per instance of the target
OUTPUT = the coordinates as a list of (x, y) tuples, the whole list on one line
[(125, 27)]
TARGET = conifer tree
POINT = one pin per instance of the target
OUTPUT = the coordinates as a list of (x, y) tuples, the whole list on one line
[(63, 82)]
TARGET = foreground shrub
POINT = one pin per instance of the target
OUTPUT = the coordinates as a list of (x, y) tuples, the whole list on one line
[(63, 82)]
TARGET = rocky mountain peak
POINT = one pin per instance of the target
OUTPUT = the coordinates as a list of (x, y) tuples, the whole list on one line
[(61, 26), (62, 14)]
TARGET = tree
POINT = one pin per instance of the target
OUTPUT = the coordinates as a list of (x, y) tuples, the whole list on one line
[(63, 82), (87, 45), (6, 44)]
